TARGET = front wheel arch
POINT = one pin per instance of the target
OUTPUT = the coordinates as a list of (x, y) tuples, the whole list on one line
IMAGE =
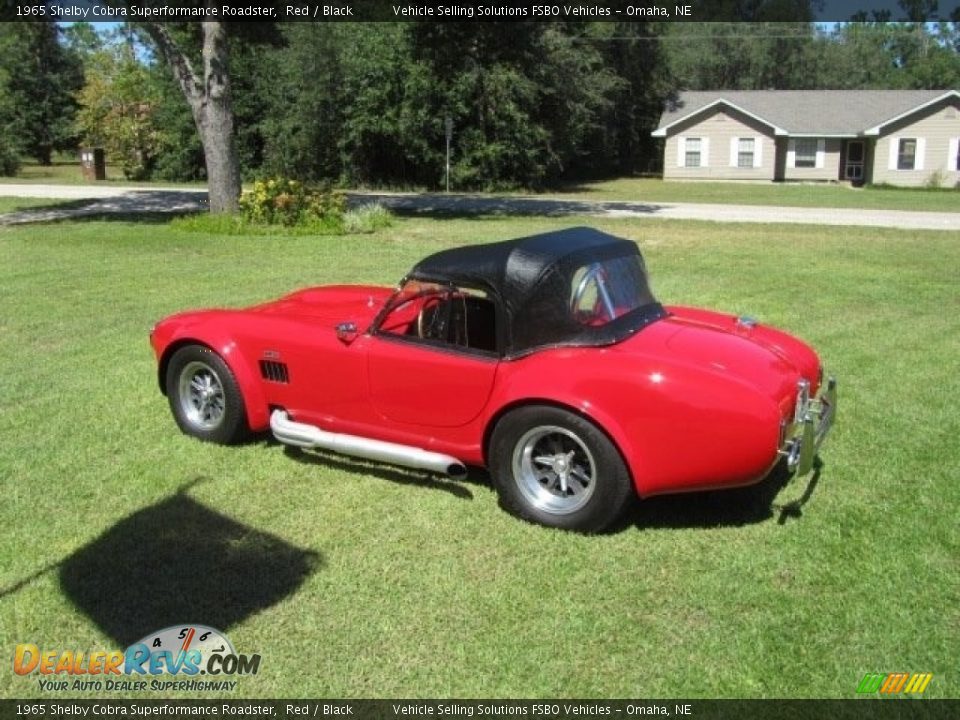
[(168, 353), (255, 403), (205, 399)]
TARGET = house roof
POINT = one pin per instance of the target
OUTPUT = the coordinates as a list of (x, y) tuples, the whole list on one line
[(808, 112)]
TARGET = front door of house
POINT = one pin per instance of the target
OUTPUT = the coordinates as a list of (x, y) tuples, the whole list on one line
[(853, 166)]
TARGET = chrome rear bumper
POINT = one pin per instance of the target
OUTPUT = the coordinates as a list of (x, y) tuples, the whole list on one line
[(812, 420)]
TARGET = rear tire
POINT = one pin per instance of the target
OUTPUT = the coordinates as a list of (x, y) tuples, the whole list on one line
[(556, 468), (204, 396)]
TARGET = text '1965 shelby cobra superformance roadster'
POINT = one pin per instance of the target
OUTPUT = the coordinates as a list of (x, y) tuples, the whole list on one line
[(545, 359)]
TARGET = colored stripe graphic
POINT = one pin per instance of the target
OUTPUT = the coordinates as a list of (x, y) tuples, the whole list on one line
[(918, 683), (894, 683), (871, 683)]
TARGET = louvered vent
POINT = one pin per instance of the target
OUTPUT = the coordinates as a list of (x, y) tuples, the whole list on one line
[(274, 371)]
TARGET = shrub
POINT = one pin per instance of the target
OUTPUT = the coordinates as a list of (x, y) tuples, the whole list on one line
[(281, 201), (367, 219), (936, 179), (9, 160), (281, 206)]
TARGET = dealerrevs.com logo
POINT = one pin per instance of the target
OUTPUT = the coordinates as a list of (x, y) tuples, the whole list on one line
[(182, 651), (894, 683)]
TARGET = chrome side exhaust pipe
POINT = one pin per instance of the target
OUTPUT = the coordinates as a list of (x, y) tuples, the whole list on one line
[(302, 435)]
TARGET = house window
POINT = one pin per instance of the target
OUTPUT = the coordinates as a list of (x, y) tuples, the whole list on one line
[(692, 153), (806, 153), (745, 152), (907, 154)]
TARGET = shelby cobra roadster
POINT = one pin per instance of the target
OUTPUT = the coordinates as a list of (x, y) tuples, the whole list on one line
[(545, 359)]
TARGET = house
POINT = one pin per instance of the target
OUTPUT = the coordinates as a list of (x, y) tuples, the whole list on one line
[(899, 137)]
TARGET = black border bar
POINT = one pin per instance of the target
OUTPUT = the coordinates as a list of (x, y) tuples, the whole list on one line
[(853, 709), (467, 10)]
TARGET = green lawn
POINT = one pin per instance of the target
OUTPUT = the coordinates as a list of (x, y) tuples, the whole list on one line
[(786, 194), (355, 580), (65, 170)]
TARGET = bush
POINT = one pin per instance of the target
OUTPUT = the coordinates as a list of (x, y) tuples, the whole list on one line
[(367, 219), (9, 160), (280, 206), (936, 179), (281, 201)]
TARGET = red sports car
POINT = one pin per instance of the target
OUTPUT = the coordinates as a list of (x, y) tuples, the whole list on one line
[(546, 359)]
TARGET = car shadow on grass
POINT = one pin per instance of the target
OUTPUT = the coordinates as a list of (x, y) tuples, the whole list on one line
[(178, 561), (729, 508), (710, 509)]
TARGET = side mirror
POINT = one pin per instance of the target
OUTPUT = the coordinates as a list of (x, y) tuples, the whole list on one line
[(346, 332)]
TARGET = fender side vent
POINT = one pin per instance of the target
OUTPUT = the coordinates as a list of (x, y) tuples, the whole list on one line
[(274, 371)]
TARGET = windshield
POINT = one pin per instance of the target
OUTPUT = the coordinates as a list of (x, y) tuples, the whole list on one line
[(603, 291)]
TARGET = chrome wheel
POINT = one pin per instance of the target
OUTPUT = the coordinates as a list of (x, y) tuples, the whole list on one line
[(554, 470), (202, 400)]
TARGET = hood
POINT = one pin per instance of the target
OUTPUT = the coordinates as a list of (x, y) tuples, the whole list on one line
[(330, 304)]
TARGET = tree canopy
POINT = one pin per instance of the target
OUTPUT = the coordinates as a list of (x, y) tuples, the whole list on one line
[(39, 77), (531, 104)]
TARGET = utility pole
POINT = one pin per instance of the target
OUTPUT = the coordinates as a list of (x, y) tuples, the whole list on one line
[(448, 123)]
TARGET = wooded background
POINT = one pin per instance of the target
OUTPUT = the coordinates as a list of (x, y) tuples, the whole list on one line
[(533, 104)]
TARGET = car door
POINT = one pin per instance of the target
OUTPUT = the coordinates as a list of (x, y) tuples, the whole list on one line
[(432, 359)]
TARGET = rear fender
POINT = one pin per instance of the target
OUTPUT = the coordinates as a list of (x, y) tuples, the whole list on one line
[(566, 400), (677, 428)]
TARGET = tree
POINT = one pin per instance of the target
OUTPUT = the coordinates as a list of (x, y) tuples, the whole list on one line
[(532, 104), (38, 86), (208, 95), (82, 39), (181, 156), (118, 103), (9, 147), (742, 56), (302, 86), (884, 55), (634, 53)]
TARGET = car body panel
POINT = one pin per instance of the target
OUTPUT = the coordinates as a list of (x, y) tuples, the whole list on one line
[(417, 384), (694, 399)]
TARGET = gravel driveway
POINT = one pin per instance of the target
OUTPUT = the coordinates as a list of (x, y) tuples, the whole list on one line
[(121, 200)]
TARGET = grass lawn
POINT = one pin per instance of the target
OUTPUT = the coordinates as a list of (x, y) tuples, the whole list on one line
[(785, 194), (355, 580), (65, 170)]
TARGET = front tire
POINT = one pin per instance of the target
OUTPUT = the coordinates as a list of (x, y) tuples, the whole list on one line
[(204, 396), (556, 468)]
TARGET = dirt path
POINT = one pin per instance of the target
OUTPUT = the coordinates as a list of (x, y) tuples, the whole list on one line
[(98, 200)]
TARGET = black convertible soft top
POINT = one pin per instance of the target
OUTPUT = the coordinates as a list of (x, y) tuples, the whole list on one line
[(532, 279)]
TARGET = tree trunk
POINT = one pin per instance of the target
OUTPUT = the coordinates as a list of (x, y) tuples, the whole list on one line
[(215, 124), (209, 100)]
